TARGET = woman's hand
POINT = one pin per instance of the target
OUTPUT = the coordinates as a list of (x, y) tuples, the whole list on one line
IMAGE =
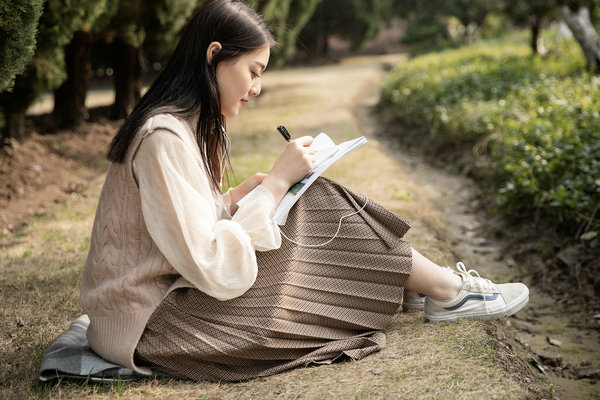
[(241, 190), (293, 164)]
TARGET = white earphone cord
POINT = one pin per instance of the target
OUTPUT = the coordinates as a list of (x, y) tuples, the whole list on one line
[(336, 233)]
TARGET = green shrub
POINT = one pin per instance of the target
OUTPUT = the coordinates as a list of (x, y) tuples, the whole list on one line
[(18, 29), (532, 123)]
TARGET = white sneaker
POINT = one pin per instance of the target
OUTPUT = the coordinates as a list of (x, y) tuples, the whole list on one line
[(412, 301), (478, 298)]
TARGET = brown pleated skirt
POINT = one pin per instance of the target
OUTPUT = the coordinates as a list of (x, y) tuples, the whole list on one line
[(309, 305)]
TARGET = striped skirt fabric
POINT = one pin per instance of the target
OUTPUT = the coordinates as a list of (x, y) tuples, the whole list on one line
[(309, 305)]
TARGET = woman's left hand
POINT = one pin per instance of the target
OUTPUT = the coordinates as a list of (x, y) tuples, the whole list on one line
[(241, 190)]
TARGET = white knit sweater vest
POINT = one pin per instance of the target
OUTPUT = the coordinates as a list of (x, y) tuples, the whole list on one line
[(125, 276)]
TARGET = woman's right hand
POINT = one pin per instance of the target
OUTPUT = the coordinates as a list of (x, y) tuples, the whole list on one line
[(293, 164)]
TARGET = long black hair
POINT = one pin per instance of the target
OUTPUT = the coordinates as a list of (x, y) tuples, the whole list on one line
[(188, 84)]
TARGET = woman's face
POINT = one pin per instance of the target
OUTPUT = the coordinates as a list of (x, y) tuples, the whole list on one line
[(239, 79)]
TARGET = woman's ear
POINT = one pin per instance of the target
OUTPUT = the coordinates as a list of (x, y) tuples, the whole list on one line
[(213, 49)]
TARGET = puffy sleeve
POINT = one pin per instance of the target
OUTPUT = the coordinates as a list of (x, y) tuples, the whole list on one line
[(215, 255)]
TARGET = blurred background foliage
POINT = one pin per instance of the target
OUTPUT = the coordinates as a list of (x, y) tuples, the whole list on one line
[(506, 90), (59, 45)]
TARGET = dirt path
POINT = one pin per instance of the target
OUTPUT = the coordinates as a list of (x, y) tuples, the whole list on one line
[(572, 366), (452, 361)]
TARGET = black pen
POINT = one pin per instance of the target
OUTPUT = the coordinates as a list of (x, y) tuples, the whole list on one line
[(286, 135)]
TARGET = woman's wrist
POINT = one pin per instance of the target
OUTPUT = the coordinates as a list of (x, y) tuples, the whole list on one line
[(240, 191), (277, 186), (233, 199)]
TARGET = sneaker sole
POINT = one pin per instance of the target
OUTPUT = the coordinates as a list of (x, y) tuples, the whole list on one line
[(412, 307), (513, 308)]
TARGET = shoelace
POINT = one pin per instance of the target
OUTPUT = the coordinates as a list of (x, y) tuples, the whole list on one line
[(474, 279)]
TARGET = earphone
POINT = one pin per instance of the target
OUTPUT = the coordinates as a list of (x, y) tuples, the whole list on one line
[(336, 233), (227, 146)]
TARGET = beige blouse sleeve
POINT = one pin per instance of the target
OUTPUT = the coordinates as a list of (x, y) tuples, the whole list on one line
[(215, 255)]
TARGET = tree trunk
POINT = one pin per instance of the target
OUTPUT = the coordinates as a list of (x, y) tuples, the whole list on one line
[(322, 39), (69, 98), (128, 79), (321, 46), (15, 126), (583, 30), (325, 46), (535, 35)]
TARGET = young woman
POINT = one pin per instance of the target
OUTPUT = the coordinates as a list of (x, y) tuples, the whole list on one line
[(182, 280)]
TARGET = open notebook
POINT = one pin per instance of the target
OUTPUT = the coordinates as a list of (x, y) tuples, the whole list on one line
[(326, 153)]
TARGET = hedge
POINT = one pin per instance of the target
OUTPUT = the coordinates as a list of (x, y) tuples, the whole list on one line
[(531, 122)]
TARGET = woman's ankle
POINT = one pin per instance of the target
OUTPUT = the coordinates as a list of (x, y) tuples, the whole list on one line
[(449, 290)]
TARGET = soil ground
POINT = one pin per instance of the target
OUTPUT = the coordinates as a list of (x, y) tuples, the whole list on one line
[(50, 185)]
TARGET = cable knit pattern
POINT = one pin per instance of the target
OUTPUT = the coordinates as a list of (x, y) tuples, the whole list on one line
[(164, 234)]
